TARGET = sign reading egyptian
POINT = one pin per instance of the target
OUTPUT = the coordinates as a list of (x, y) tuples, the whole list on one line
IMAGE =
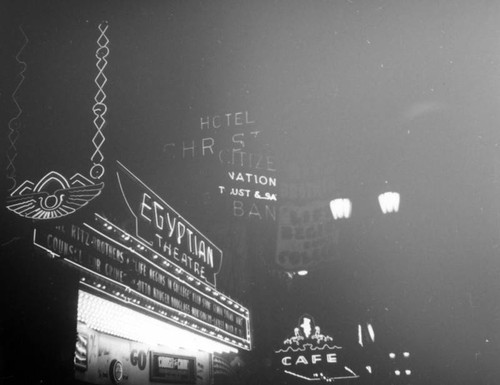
[(311, 355), (166, 232), (161, 264)]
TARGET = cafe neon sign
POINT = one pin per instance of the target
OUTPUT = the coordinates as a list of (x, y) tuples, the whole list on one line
[(311, 355)]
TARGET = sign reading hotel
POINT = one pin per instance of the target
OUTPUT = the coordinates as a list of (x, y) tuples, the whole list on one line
[(235, 141), (166, 267), (311, 355)]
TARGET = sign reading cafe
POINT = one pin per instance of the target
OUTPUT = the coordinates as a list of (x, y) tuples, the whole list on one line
[(311, 355)]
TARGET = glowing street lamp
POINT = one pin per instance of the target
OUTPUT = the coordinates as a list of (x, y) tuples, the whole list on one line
[(389, 202), (341, 208)]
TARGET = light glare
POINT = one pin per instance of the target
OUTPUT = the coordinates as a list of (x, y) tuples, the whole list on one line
[(389, 202), (341, 208), (111, 318)]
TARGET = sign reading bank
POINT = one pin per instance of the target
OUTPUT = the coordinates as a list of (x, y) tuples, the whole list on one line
[(311, 355)]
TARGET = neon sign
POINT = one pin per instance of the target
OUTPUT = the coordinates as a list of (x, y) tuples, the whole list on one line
[(166, 232), (311, 355), (55, 196)]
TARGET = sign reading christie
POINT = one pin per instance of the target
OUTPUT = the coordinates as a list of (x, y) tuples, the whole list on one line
[(311, 355), (167, 232)]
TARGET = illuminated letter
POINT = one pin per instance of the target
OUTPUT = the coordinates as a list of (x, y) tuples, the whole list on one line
[(210, 257), (221, 158), (237, 118), (270, 163), (240, 141), (210, 147), (144, 205), (286, 361), (248, 121), (255, 211), (180, 233), (184, 148), (171, 224), (216, 125), (158, 223), (331, 357), (201, 251), (315, 358), (301, 360), (238, 209), (207, 122)]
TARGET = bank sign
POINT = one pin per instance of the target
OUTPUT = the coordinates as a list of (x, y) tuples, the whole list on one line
[(309, 354)]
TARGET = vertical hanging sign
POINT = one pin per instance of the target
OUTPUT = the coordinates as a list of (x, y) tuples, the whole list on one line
[(54, 195)]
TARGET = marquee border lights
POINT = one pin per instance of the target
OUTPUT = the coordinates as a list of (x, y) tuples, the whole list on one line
[(398, 371), (55, 196), (130, 297), (110, 317), (167, 266)]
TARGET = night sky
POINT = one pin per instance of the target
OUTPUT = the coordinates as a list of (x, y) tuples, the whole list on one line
[(369, 96)]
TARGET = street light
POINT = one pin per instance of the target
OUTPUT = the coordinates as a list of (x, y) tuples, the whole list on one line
[(389, 202), (341, 208)]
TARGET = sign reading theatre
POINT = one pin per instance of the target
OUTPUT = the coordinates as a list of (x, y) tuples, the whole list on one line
[(166, 268), (311, 355), (167, 232)]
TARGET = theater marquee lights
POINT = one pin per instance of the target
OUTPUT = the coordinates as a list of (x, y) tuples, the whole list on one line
[(166, 268)]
